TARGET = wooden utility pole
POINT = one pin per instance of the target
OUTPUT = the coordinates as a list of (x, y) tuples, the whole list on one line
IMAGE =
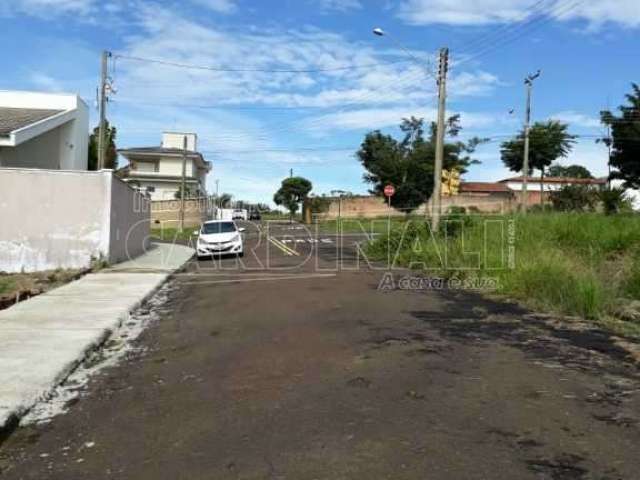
[(184, 181), (442, 105), (103, 110), (527, 127)]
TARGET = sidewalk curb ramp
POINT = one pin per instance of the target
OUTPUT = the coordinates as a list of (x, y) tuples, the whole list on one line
[(44, 339)]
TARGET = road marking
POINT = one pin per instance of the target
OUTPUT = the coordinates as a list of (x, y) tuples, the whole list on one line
[(262, 279), (306, 240), (283, 247)]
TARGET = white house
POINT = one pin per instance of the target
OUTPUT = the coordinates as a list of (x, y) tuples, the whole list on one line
[(43, 130), (158, 170)]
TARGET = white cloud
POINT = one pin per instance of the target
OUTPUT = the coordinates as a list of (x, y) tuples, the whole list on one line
[(379, 118), (45, 82), (482, 12), (44, 8), (220, 6), (575, 119), (340, 5)]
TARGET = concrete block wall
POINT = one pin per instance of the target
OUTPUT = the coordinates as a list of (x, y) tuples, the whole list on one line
[(372, 207), (64, 219), (166, 213)]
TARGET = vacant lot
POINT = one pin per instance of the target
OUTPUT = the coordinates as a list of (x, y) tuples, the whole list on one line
[(576, 264)]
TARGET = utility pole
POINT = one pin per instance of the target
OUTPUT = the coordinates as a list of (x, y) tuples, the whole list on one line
[(527, 127), (291, 173), (442, 105), (183, 183), (103, 108)]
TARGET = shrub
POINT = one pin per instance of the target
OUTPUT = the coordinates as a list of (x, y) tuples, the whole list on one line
[(615, 200), (571, 198)]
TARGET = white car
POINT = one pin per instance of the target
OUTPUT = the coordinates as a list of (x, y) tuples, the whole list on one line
[(219, 237), (240, 214)]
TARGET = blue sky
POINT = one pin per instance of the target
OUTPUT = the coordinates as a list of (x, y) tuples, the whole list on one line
[(255, 125)]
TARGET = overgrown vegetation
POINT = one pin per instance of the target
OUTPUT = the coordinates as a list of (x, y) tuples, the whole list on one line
[(584, 264)]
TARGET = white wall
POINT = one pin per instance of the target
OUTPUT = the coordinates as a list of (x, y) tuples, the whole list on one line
[(176, 140), (63, 219)]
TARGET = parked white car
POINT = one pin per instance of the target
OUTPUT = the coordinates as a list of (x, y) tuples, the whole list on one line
[(219, 237)]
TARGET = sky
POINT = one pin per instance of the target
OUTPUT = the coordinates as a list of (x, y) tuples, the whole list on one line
[(296, 84)]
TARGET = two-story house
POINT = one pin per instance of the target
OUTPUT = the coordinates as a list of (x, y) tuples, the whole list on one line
[(158, 170)]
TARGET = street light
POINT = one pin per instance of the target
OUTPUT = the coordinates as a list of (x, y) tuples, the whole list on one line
[(340, 193), (441, 80), (426, 65)]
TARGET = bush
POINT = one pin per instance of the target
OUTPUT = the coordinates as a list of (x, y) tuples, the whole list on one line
[(615, 200), (574, 198)]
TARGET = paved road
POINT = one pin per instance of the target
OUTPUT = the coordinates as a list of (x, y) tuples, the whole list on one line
[(300, 372)]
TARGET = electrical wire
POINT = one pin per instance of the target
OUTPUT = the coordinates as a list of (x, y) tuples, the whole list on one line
[(264, 70)]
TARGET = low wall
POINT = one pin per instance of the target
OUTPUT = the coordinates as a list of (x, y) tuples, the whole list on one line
[(64, 219), (371, 207), (166, 213)]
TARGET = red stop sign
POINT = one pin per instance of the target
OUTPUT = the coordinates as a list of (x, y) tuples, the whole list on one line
[(389, 191)]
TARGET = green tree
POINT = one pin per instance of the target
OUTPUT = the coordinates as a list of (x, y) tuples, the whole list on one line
[(548, 141), (111, 157), (223, 200), (571, 171), (408, 164), (187, 192), (625, 140), (292, 191)]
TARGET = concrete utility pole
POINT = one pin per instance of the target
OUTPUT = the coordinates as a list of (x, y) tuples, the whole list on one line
[(437, 171), (183, 183), (103, 110), (527, 127)]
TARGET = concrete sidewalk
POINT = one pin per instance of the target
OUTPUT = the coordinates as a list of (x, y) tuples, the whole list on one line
[(43, 339)]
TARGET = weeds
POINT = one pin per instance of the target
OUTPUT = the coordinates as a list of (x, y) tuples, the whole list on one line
[(572, 263)]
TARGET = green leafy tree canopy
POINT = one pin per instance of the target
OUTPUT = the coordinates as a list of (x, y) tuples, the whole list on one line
[(571, 171), (408, 164), (548, 141), (625, 140), (292, 191), (111, 157)]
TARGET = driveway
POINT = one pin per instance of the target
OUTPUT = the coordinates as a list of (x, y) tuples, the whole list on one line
[(290, 368)]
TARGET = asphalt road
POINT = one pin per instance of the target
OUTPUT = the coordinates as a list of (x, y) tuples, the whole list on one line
[(291, 368)]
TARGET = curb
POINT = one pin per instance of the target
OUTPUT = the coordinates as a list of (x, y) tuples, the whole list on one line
[(12, 420)]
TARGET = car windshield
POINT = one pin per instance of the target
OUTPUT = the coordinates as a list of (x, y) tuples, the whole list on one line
[(218, 227)]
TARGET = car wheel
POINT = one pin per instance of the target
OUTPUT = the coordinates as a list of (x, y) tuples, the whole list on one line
[(241, 254)]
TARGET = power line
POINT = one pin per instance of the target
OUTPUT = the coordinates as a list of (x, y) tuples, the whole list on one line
[(264, 70), (521, 30)]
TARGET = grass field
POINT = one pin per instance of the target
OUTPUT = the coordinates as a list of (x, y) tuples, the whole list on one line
[(171, 234), (576, 264), (7, 284)]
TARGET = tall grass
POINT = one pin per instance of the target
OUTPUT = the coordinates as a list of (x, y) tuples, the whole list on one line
[(572, 263)]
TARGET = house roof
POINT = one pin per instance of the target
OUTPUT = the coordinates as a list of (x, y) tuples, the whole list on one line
[(563, 180), (12, 119), (161, 151), (484, 187)]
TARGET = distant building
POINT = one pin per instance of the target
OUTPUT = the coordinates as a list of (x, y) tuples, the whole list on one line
[(535, 188), (158, 170), (43, 130)]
